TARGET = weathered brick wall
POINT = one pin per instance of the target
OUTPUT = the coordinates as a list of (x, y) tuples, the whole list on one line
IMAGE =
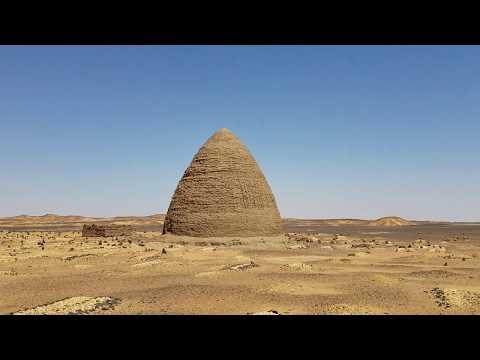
[(95, 230), (223, 193)]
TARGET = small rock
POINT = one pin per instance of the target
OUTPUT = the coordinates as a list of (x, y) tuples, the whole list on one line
[(360, 253), (294, 247), (296, 267), (269, 312), (241, 267)]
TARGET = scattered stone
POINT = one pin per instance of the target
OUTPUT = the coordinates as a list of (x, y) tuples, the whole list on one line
[(360, 246), (80, 305), (437, 248), (360, 254), (69, 258), (297, 267), (438, 274), (241, 267), (151, 258), (269, 312), (440, 297), (345, 309), (11, 272), (300, 237), (448, 298), (458, 257), (295, 247)]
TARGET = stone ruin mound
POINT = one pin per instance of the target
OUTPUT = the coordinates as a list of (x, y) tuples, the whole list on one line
[(223, 193), (95, 230)]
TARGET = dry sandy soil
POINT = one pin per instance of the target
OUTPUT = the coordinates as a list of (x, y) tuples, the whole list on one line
[(317, 267)]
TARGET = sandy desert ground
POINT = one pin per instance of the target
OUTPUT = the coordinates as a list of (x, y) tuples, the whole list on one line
[(317, 267)]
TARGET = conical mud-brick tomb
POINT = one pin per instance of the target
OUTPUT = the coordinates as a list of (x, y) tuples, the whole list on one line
[(223, 193)]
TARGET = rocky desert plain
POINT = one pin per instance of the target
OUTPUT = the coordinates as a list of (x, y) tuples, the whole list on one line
[(342, 266), (223, 248)]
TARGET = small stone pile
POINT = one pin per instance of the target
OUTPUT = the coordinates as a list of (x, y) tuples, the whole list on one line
[(299, 237)]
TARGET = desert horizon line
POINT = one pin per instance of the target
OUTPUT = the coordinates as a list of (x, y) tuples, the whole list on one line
[(282, 217)]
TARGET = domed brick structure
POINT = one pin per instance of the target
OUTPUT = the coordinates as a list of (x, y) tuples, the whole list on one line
[(223, 193)]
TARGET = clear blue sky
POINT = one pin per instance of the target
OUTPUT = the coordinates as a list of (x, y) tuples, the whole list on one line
[(339, 131)]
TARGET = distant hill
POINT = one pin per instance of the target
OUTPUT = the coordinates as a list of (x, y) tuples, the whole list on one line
[(52, 219), (384, 221), (157, 219), (390, 221), (47, 218)]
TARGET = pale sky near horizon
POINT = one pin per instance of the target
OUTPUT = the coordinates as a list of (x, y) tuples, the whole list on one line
[(339, 131)]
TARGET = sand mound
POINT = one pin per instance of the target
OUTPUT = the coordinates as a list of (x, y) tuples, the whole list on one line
[(390, 221), (384, 221), (223, 193), (73, 306)]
